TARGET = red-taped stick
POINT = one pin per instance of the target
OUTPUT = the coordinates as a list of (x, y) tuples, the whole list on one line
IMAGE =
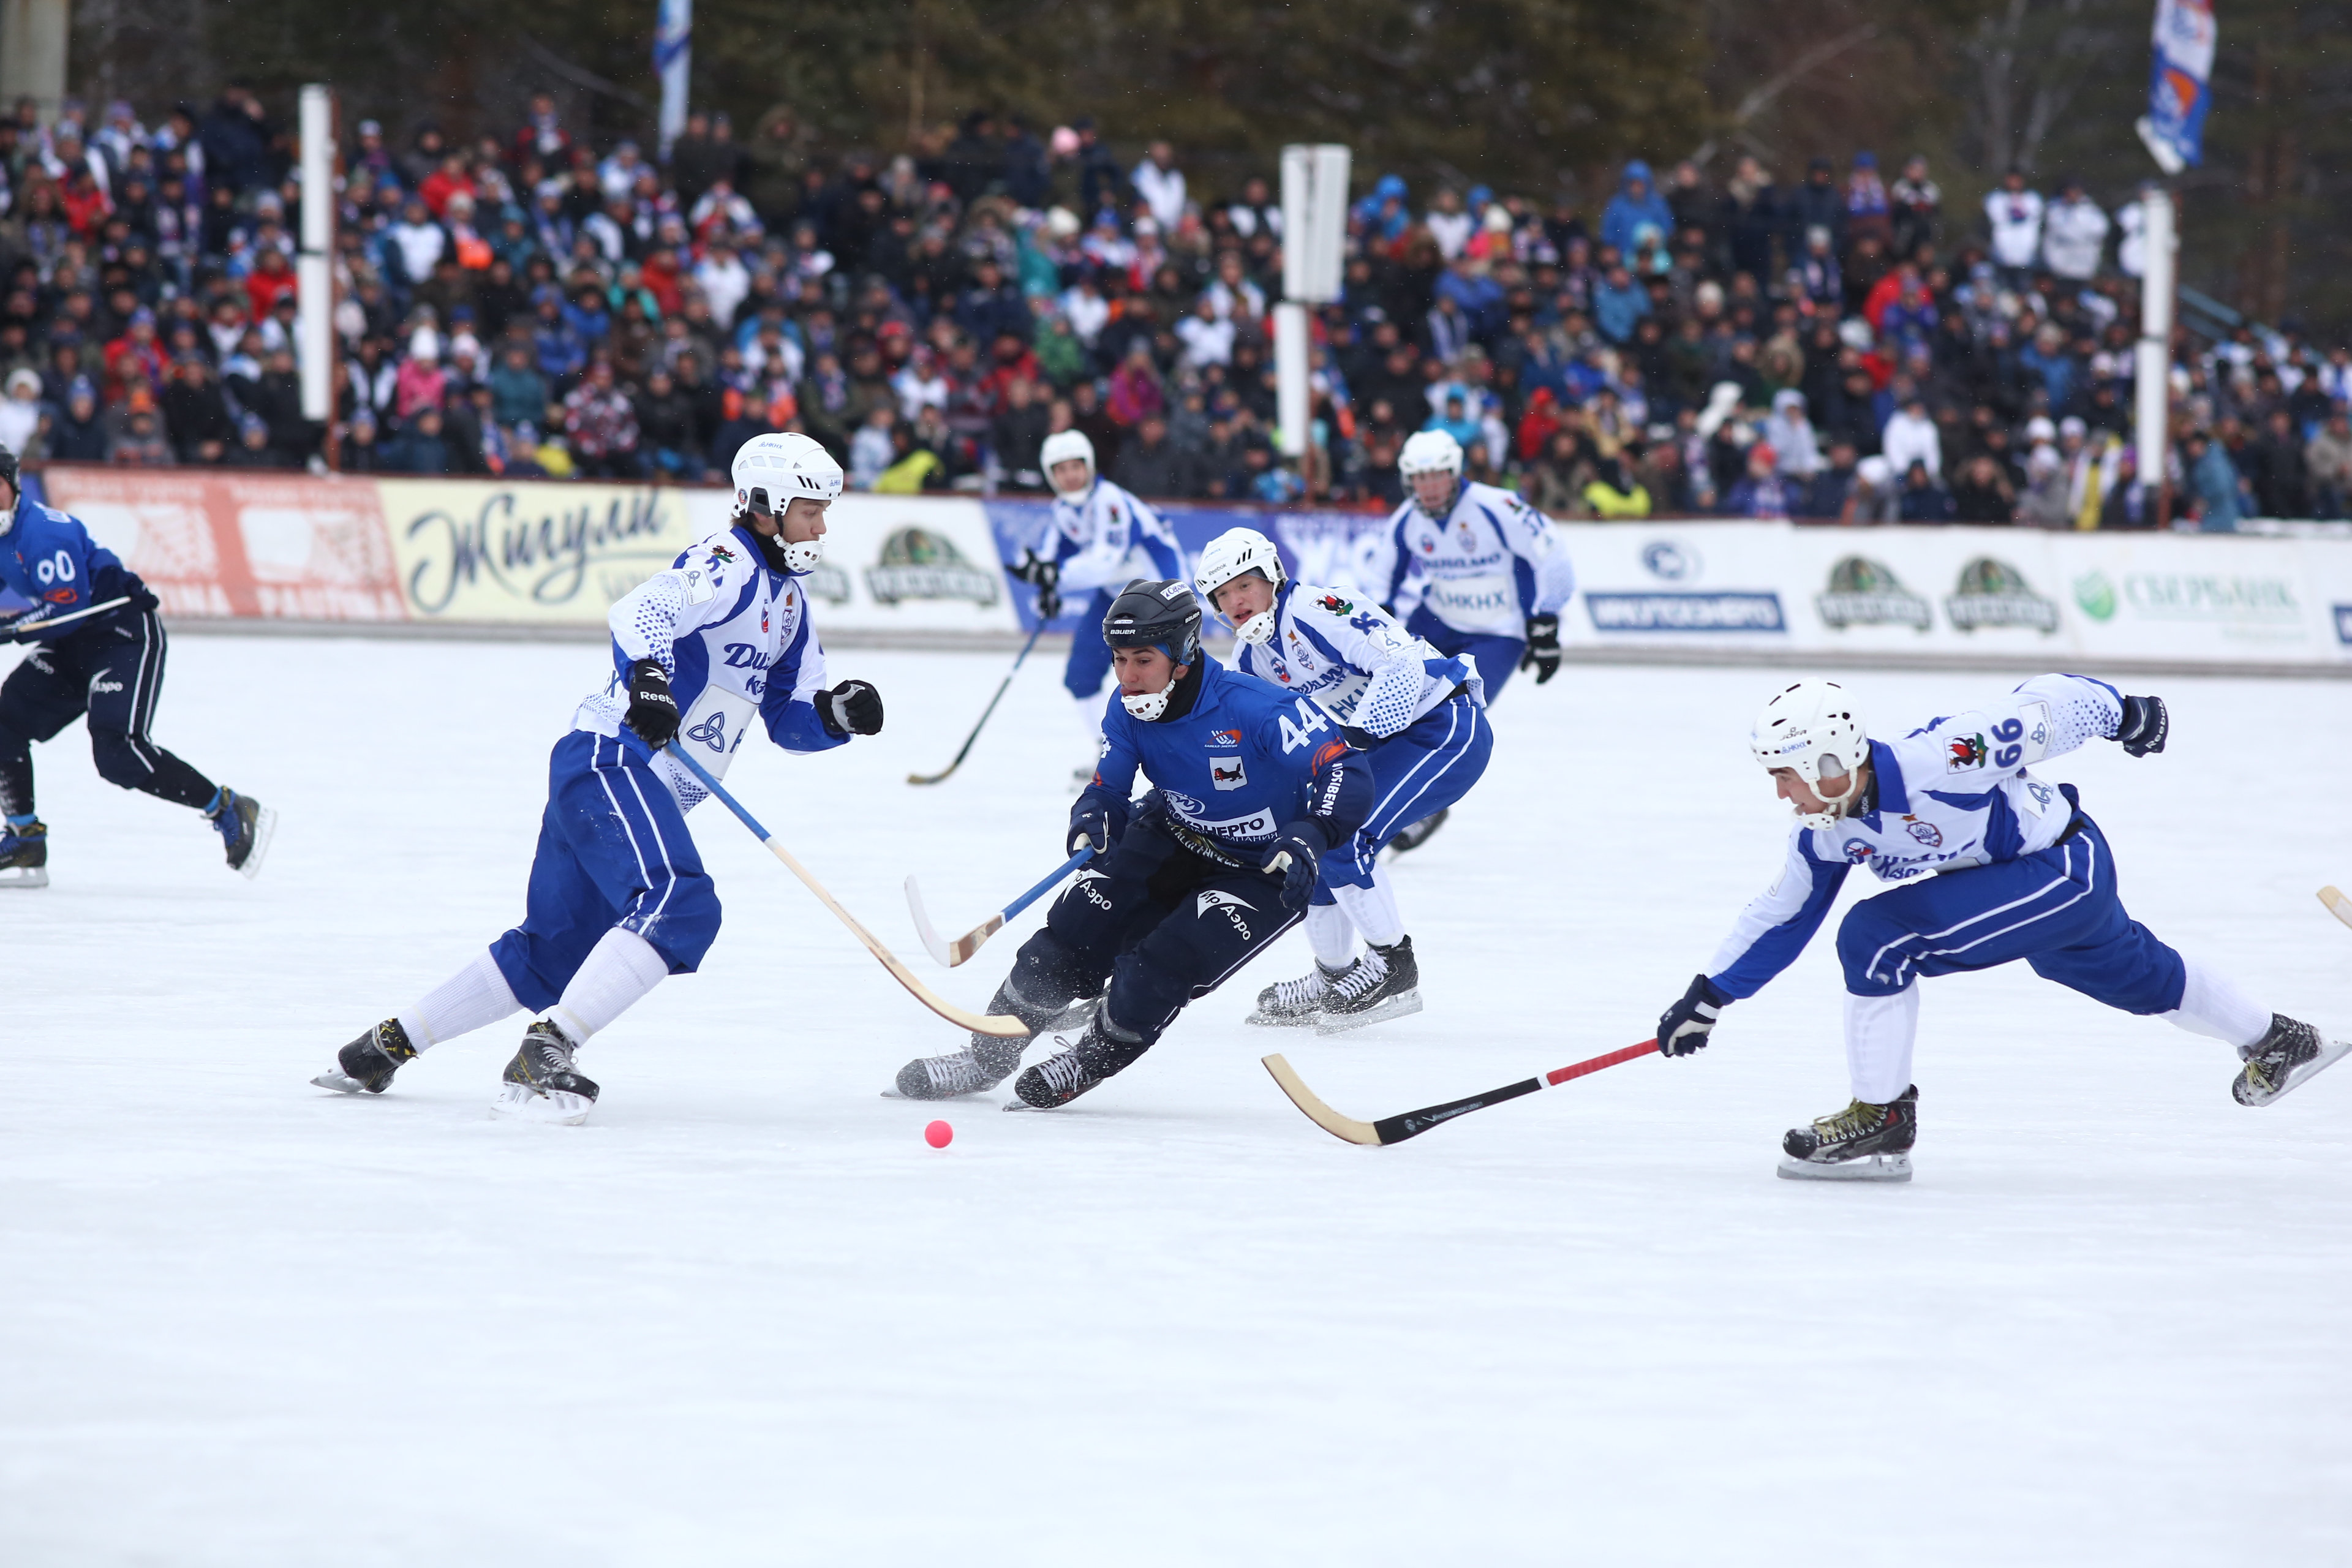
[(1413, 1123)]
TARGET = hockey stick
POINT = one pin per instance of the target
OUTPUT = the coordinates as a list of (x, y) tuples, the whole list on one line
[(1003, 686), (2337, 904), (951, 954), (1004, 1027), (37, 623), (1413, 1123)]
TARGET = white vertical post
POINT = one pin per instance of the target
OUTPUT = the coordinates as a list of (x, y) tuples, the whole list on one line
[(674, 59), (1314, 241), (2152, 356), (314, 267), (33, 38), (1297, 217), (1291, 400)]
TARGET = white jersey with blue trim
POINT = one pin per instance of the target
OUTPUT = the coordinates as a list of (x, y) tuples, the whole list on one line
[(1490, 562), (734, 637), (1356, 662), (1106, 539), (1953, 794)]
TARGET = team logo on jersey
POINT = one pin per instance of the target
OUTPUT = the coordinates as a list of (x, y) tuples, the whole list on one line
[(1962, 752), (1429, 547), (1224, 740), (1183, 803), (1227, 773), (1926, 833), (763, 620), (720, 553), (711, 732), (1469, 536), (1335, 605), (2042, 792), (1857, 851)]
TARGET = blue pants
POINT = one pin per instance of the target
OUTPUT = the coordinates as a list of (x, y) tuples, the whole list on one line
[(1420, 769), (2056, 908), (613, 850), (1496, 656), (1089, 655)]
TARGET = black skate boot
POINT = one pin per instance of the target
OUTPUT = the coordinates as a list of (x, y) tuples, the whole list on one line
[(1863, 1143), (367, 1063), (245, 826), (1414, 835), (2286, 1058), (24, 854), (1103, 1051), (542, 1084), (988, 1060), (1296, 1004), (1383, 982)]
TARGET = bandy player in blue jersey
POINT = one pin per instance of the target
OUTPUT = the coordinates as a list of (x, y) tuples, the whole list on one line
[(618, 897), (106, 664), (1097, 538), (1189, 883), (1990, 865)]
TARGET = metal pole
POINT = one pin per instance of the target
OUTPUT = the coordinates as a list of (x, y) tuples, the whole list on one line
[(2152, 356), (33, 38), (314, 267)]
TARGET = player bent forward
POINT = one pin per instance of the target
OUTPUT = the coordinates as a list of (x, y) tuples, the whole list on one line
[(1190, 883), (618, 896), (2025, 874), (1421, 719)]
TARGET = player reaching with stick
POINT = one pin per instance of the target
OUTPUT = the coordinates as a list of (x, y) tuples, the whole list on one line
[(618, 897), (1097, 539), (1195, 879), (1472, 569), (2025, 874), (1420, 717), (104, 662)]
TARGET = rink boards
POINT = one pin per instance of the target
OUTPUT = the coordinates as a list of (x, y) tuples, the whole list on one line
[(251, 549)]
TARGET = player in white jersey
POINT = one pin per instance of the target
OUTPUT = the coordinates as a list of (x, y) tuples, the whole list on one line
[(1097, 540), (2020, 873), (1472, 569), (1421, 717), (618, 897)]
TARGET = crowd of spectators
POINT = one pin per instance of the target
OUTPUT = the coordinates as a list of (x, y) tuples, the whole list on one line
[(1838, 346)]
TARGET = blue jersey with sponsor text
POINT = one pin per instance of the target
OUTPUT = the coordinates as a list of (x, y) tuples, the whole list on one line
[(49, 558)]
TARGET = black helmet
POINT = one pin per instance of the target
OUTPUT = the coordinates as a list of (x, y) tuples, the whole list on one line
[(8, 467), (1164, 615), (16, 495)]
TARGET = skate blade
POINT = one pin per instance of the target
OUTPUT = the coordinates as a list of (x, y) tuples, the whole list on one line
[(1869, 1168), (340, 1081), (265, 827), (1404, 1007), (25, 877), (520, 1102), (2330, 1053), (1284, 1020)]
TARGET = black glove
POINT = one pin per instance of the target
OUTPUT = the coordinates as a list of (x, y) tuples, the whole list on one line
[(2145, 725), (1049, 603), (1684, 1026), (852, 708), (653, 711), (1037, 570), (1543, 647), (1089, 826), (1304, 849)]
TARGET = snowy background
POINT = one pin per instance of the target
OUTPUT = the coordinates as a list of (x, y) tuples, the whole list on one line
[(746, 1316)]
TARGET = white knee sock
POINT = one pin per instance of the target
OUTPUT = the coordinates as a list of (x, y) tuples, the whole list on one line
[(620, 969), (1373, 910), (1879, 1031), (2213, 1007), (1332, 934), (1089, 710), (476, 996)]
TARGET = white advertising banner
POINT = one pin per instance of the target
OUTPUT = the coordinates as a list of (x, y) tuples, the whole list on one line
[(923, 565)]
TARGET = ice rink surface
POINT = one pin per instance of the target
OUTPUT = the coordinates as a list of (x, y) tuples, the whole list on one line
[(746, 1316)]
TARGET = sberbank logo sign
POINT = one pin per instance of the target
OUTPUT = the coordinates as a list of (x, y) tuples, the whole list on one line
[(2189, 597), (2096, 596)]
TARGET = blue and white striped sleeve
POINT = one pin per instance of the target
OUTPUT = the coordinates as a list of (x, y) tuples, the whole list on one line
[(1774, 928)]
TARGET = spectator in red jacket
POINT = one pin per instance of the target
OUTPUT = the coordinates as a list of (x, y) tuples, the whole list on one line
[(272, 276)]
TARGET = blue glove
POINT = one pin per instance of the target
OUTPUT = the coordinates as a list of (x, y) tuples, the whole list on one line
[(1304, 848), (1684, 1026), (2145, 725)]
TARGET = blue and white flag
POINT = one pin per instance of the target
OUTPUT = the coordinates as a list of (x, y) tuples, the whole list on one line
[(673, 62), (2179, 88)]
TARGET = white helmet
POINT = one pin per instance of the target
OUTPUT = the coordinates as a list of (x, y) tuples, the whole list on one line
[(1430, 452), (1236, 552), (771, 471), (1060, 447), (1812, 728)]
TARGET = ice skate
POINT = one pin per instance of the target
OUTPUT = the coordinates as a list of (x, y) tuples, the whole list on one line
[(988, 1060), (23, 855), (1383, 982), (1296, 1004), (1103, 1051), (367, 1063), (1863, 1143), (245, 826), (541, 1082), (2283, 1061), (1414, 835)]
